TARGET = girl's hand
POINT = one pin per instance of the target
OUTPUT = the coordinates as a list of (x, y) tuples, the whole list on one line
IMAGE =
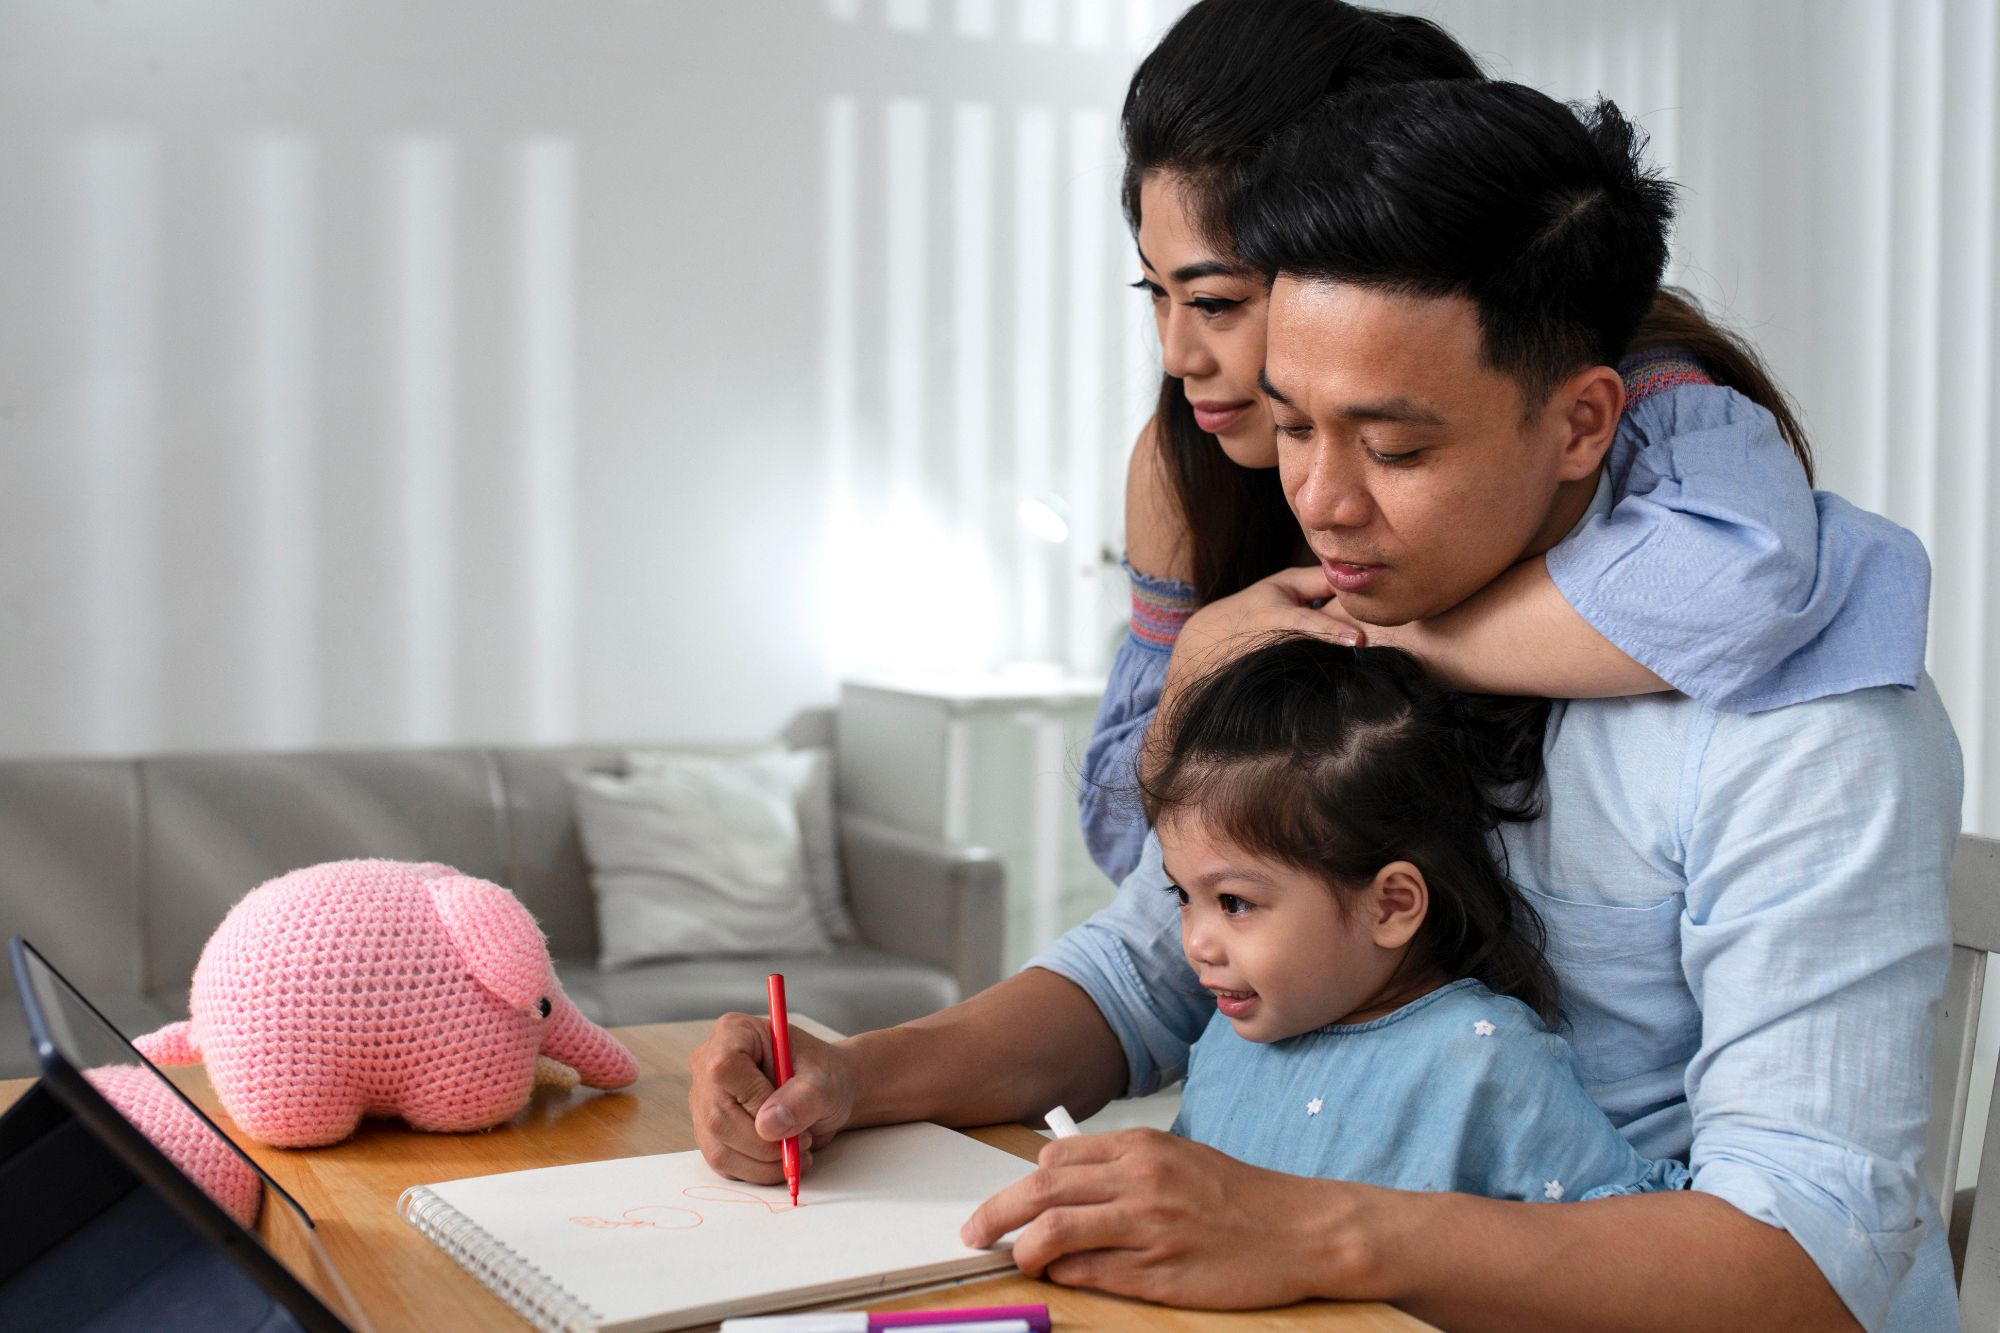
[(740, 1121), (1145, 1214)]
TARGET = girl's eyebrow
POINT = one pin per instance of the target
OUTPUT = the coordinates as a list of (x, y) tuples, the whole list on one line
[(1222, 874)]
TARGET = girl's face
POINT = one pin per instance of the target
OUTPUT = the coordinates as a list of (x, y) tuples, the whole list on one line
[(1210, 314), (1273, 943)]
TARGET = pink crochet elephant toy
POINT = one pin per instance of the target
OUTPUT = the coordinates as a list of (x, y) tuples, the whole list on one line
[(360, 988), (139, 1095)]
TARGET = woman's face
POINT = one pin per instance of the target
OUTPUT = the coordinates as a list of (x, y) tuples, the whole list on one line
[(1210, 314)]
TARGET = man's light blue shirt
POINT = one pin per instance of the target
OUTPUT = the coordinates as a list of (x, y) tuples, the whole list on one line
[(1747, 916)]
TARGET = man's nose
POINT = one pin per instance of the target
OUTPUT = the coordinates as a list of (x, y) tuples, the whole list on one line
[(1329, 491), (1184, 352)]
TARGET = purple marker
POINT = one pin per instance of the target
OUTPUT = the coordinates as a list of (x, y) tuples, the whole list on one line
[(965, 1319)]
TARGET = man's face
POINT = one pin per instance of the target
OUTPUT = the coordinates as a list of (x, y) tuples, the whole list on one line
[(1415, 469)]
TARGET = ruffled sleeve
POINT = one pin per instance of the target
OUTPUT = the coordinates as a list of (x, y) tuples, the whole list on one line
[(1719, 569), (1114, 826)]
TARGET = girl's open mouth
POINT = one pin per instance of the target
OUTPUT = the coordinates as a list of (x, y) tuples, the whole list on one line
[(1235, 1003)]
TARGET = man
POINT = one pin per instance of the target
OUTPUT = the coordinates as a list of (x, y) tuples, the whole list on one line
[(1746, 912)]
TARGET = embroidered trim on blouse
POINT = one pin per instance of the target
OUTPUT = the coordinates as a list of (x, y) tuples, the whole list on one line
[(1657, 371), (1159, 608)]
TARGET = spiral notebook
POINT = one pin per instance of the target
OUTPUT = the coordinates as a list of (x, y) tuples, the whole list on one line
[(654, 1243)]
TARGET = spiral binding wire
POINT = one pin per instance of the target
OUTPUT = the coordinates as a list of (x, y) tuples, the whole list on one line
[(527, 1289)]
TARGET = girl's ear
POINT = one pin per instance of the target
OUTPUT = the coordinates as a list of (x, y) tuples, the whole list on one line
[(1398, 901)]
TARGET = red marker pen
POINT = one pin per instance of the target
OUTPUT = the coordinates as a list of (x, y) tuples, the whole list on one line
[(781, 1049)]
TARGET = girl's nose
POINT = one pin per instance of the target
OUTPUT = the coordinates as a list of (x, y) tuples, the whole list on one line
[(1197, 942)]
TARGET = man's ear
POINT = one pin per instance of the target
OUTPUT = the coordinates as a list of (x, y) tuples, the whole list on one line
[(1587, 408), (1398, 900)]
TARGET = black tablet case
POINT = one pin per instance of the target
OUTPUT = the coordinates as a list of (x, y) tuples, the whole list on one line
[(87, 1244)]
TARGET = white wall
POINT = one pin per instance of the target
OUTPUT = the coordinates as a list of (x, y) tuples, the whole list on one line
[(385, 372)]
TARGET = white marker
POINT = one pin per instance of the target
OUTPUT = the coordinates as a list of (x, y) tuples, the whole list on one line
[(1059, 1120)]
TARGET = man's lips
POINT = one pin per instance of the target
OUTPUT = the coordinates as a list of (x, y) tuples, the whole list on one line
[(1345, 576), (1217, 417)]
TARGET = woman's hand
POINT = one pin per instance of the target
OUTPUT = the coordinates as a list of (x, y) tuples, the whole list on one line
[(1231, 626), (1146, 1214), (740, 1121)]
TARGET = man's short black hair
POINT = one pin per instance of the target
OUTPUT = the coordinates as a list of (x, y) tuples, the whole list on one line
[(1544, 217)]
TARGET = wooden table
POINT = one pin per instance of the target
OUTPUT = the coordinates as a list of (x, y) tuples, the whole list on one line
[(404, 1282)]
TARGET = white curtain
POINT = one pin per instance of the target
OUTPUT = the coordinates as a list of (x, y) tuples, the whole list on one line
[(377, 373), (498, 370)]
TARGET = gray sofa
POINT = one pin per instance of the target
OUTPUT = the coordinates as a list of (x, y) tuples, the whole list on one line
[(119, 869)]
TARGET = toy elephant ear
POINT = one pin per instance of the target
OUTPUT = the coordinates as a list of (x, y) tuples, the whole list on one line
[(502, 946)]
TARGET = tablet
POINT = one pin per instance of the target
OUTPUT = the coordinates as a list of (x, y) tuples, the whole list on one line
[(99, 1230)]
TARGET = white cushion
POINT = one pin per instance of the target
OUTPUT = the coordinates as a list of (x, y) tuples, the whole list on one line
[(809, 774), (696, 856)]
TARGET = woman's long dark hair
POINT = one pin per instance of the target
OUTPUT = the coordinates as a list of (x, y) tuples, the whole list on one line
[(1338, 761), (1228, 76), (1677, 321)]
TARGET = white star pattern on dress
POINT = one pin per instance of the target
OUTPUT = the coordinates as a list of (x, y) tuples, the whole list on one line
[(1313, 1107), (1483, 1028), (1553, 1189)]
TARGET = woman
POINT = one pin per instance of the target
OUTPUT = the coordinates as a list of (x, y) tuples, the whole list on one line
[(1205, 517)]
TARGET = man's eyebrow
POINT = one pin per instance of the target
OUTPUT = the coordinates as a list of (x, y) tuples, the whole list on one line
[(1403, 411), (1406, 411)]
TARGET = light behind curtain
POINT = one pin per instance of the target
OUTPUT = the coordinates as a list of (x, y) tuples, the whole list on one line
[(376, 373)]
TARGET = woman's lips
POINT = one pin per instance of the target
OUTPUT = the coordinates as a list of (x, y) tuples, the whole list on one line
[(1347, 577), (1216, 418)]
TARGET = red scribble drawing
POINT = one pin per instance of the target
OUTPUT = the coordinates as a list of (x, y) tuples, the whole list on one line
[(729, 1194), (657, 1223), (660, 1221)]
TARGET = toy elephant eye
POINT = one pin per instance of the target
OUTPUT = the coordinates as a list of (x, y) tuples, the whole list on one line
[(543, 1006)]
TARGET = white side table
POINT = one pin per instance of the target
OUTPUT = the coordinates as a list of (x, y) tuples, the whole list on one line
[(988, 760)]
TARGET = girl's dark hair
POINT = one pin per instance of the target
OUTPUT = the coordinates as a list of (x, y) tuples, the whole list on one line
[(1338, 761), (1225, 78)]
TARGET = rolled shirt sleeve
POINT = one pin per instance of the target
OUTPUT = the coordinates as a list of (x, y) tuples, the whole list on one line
[(1128, 959), (1114, 825), (1720, 569), (1815, 939)]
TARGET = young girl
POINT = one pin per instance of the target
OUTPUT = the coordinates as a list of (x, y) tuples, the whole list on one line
[(1383, 1006)]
